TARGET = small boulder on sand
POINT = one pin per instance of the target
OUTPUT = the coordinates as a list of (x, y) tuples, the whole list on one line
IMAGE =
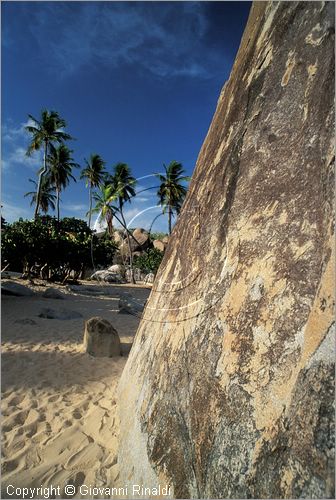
[(25, 321), (12, 288), (101, 339), (52, 293), (63, 314)]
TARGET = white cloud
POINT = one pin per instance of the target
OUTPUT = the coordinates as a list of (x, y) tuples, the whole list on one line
[(15, 141), (14, 134), (74, 207), (13, 212), (18, 156), (142, 198)]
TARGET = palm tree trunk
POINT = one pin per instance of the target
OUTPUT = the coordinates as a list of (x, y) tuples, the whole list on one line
[(110, 227), (109, 219), (90, 194), (58, 207), (43, 171), (169, 220), (129, 245)]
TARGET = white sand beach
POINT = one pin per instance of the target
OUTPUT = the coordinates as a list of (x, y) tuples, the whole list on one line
[(58, 403)]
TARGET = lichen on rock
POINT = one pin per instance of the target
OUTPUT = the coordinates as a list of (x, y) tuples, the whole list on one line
[(228, 390)]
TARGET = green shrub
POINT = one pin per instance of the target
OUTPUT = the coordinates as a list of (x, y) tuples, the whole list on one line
[(150, 261), (157, 236), (58, 248)]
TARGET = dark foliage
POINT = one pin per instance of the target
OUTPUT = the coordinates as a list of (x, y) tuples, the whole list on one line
[(52, 249), (150, 261)]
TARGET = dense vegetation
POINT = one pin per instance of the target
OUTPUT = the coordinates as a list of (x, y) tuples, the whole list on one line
[(149, 261), (55, 250)]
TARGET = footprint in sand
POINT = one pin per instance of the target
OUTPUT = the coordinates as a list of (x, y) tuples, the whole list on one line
[(53, 399), (85, 406), (77, 414), (9, 466), (18, 446), (16, 400), (12, 421), (77, 482), (31, 432)]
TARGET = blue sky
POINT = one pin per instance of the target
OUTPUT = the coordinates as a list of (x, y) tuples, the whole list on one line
[(136, 82)]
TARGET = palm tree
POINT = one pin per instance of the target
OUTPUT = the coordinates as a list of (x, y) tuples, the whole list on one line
[(60, 164), (45, 131), (171, 192), (46, 196), (123, 184), (94, 173), (103, 206)]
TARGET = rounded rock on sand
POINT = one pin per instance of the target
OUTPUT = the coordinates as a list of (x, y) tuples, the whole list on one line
[(13, 288), (63, 314), (53, 293), (101, 339)]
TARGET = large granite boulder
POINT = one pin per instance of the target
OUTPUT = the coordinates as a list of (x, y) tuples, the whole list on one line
[(142, 237), (138, 243), (229, 388), (101, 339)]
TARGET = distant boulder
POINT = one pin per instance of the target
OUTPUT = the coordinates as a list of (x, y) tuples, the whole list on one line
[(101, 339), (159, 245), (123, 249), (137, 273), (142, 237), (117, 269), (118, 239), (149, 278), (107, 276)]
